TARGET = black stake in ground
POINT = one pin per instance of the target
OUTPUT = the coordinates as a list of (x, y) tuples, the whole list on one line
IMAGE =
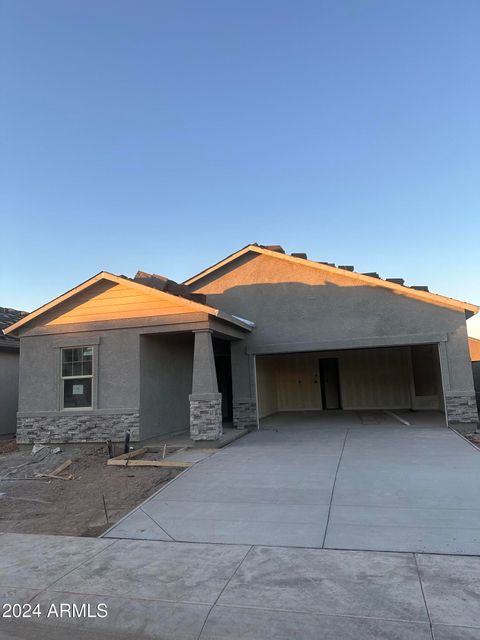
[(127, 442), (105, 508)]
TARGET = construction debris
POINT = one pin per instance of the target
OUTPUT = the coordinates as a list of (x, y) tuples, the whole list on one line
[(149, 463), (43, 450), (136, 459), (130, 454), (51, 505), (130, 459), (61, 468), (55, 474)]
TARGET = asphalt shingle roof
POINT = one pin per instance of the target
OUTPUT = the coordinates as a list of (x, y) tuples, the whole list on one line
[(7, 317)]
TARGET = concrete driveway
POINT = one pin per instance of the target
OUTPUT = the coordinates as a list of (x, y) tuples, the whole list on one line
[(325, 482)]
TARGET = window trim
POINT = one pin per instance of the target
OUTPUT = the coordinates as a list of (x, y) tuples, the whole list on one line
[(92, 377)]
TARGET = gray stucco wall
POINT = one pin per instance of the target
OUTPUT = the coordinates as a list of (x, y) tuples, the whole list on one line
[(142, 381), (9, 363), (116, 388), (298, 308), (166, 364), (116, 369)]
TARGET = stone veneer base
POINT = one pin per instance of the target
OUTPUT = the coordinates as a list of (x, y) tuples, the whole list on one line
[(206, 417), (78, 428), (461, 408), (244, 414)]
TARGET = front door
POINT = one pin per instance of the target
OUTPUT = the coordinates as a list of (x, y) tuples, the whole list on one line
[(330, 383)]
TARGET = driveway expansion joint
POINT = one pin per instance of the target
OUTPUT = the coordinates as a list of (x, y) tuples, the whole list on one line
[(333, 488), (423, 595), (158, 525), (222, 591)]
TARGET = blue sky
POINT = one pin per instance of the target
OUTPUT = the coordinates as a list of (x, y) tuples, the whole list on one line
[(164, 135)]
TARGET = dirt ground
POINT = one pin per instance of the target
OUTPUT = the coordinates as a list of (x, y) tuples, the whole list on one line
[(475, 438), (70, 507)]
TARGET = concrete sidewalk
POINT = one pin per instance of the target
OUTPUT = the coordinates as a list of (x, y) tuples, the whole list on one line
[(325, 482), (182, 591)]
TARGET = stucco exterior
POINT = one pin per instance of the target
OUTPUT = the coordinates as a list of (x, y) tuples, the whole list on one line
[(116, 387), (9, 366), (297, 308), (164, 405), (143, 366), (154, 367)]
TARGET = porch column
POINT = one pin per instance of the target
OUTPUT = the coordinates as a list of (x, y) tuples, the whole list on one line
[(243, 387), (205, 400)]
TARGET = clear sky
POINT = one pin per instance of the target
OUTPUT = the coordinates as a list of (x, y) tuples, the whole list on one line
[(165, 134)]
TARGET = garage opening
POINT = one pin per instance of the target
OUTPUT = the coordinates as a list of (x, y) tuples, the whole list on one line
[(387, 378)]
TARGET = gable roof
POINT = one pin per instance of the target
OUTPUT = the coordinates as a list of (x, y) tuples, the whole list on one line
[(474, 346), (8, 317), (154, 289), (371, 279)]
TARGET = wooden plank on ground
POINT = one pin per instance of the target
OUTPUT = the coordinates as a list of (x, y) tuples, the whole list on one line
[(131, 454), (59, 469), (54, 477), (149, 463)]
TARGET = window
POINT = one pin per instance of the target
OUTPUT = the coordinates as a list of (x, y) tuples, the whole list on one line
[(77, 374)]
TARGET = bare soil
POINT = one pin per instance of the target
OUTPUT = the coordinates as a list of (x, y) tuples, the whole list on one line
[(70, 507), (475, 438)]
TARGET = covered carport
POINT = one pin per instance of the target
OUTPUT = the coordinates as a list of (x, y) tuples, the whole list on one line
[(398, 378)]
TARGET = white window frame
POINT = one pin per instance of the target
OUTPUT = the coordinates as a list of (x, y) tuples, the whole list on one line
[(85, 377)]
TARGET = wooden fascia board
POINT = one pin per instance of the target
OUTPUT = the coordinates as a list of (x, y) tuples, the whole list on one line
[(105, 275), (424, 296)]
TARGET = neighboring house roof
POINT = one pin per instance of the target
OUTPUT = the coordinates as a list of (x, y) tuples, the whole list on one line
[(156, 285), (7, 318), (372, 279), (474, 346)]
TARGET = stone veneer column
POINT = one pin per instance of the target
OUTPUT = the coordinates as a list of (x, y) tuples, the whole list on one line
[(243, 387), (245, 413), (205, 400), (462, 414)]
